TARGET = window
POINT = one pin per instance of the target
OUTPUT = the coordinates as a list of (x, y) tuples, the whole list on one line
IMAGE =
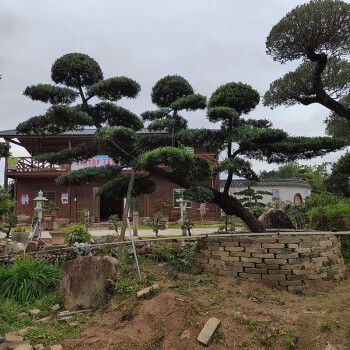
[(177, 195), (275, 195)]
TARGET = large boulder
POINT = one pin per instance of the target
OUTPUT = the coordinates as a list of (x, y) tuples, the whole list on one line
[(276, 219), (86, 281)]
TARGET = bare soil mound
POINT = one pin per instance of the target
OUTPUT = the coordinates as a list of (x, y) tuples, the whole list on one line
[(253, 316)]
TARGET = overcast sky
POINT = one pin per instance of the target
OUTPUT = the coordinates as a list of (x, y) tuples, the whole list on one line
[(209, 43)]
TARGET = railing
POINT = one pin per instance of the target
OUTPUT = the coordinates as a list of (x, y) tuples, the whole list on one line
[(29, 164)]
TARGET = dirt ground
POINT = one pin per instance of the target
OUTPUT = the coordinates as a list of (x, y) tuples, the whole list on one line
[(252, 316)]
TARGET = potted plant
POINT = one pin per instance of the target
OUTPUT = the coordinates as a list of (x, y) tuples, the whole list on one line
[(51, 207)]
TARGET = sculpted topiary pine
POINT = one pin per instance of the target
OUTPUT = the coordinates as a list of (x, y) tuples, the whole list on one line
[(80, 77), (239, 138), (317, 33)]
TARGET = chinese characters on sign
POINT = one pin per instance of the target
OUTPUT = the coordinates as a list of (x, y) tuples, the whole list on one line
[(93, 162)]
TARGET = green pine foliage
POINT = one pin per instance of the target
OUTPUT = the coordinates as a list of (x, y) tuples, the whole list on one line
[(317, 34), (27, 280)]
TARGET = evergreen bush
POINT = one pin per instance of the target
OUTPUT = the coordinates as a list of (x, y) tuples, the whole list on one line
[(78, 234)]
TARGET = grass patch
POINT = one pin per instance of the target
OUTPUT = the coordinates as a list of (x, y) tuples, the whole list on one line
[(29, 279)]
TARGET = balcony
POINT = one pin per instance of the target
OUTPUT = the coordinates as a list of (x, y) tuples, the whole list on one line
[(30, 165)]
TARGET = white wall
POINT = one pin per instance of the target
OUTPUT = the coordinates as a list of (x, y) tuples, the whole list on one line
[(286, 193)]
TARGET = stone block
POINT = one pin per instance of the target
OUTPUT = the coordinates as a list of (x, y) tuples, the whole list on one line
[(280, 251), (268, 266), (13, 338), (256, 250), (293, 239), (234, 249), (240, 254), (263, 256), (205, 337), (287, 256), (253, 260), (273, 246), (250, 245), (220, 253), (255, 270), (245, 264), (147, 292), (279, 272), (230, 258), (274, 277), (86, 281), (250, 276), (275, 261), (23, 347), (230, 244), (291, 283), (33, 312)]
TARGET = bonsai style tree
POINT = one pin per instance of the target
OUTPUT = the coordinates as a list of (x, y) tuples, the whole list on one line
[(239, 138), (78, 80), (78, 76), (317, 33)]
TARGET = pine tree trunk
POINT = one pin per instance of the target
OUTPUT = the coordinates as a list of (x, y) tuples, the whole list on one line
[(233, 206)]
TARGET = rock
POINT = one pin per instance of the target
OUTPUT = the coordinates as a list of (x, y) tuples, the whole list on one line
[(185, 335), (330, 347), (85, 282), (56, 347), (34, 312), (277, 219), (12, 337), (74, 324), (23, 332), (65, 319), (24, 347), (55, 308), (39, 347), (206, 335), (145, 293), (31, 247), (71, 313), (43, 320), (22, 314)]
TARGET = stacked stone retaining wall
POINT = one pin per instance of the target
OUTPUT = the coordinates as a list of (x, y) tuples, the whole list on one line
[(284, 262)]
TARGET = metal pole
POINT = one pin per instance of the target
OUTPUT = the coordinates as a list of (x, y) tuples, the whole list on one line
[(134, 249)]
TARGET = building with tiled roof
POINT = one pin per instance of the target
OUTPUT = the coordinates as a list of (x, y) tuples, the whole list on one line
[(293, 189)]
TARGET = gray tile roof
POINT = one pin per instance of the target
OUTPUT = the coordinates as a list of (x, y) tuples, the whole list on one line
[(84, 132), (291, 182)]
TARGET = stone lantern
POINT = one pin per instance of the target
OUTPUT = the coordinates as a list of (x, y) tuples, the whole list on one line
[(183, 205), (38, 209)]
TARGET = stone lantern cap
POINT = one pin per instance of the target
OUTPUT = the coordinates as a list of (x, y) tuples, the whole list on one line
[(40, 197)]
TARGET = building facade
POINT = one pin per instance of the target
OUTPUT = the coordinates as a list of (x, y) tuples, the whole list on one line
[(294, 190), (29, 176)]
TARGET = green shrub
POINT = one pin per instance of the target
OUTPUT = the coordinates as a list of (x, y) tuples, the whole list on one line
[(156, 223), (163, 251), (79, 234), (29, 279), (329, 216)]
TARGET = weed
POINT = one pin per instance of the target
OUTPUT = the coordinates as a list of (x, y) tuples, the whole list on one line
[(291, 339), (325, 327), (41, 333), (251, 323), (199, 308), (257, 295), (155, 342), (222, 294), (219, 336), (244, 344), (275, 318), (280, 300), (183, 285)]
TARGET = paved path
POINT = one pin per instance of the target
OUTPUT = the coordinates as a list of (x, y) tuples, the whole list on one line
[(144, 232)]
